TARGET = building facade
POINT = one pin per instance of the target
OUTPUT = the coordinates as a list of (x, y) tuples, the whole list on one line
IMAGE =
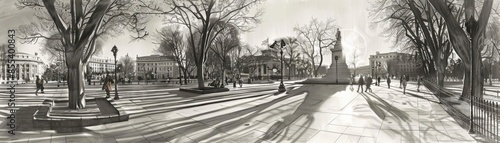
[(394, 64), (28, 67), (101, 65), (362, 70), (156, 67), (269, 66)]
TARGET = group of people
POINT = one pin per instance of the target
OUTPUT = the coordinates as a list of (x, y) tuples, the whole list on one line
[(108, 85), (217, 82), (368, 80)]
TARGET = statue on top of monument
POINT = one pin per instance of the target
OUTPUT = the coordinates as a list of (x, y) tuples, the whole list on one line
[(338, 35)]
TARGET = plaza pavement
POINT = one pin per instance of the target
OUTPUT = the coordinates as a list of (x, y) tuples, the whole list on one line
[(257, 113)]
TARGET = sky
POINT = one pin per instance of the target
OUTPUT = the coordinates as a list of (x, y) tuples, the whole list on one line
[(279, 19)]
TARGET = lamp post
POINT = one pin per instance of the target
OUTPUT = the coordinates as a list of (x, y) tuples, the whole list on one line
[(336, 69), (281, 88), (472, 73), (114, 50)]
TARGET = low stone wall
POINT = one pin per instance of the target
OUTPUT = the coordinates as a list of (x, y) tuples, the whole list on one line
[(43, 120)]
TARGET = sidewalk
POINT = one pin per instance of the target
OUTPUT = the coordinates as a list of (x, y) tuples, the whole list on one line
[(257, 113)]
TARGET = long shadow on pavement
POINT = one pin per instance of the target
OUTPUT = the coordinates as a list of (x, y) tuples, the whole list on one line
[(180, 125), (315, 97)]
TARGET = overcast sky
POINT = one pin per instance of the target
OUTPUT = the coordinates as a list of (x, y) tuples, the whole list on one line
[(278, 20)]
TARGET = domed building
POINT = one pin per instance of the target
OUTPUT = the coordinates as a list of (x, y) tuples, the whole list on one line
[(28, 67)]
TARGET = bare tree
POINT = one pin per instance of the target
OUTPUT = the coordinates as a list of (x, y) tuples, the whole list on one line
[(317, 37), (421, 30), (249, 59), (202, 18), (226, 41), (171, 41), (127, 65), (468, 42), (80, 24), (291, 51), (355, 59)]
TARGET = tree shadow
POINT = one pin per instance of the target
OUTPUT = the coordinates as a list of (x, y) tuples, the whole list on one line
[(420, 97), (222, 121), (316, 95)]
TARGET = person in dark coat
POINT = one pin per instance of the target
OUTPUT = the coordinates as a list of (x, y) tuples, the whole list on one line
[(108, 85), (38, 85), (401, 81), (369, 82), (378, 81), (405, 82), (389, 82), (361, 82)]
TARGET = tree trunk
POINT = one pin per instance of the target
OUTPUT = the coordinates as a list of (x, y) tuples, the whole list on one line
[(199, 72), (477, 65), (466, 85), (440, 79), (223, 80), (184, 72), (76, 84), (289, 71)]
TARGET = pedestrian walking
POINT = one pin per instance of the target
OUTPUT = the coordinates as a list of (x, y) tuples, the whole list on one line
[(108, 85), (369, 82), (39, 85), (378, 81), (389, 82), (401, 81), (361, 82), (351, 79), (89, 80), (419, 79), (240, 81), (405, 81), (42, 81)]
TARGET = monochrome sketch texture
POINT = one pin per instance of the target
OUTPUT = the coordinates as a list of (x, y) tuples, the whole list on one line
[(250, 71)]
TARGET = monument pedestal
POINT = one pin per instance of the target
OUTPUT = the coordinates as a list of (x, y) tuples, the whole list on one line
[(338, 73)]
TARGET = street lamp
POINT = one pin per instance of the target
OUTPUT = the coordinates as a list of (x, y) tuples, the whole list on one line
[(114, 50), (336, 69), (281, 88)]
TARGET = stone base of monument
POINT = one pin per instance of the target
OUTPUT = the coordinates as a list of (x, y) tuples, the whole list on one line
[(55, 115)]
